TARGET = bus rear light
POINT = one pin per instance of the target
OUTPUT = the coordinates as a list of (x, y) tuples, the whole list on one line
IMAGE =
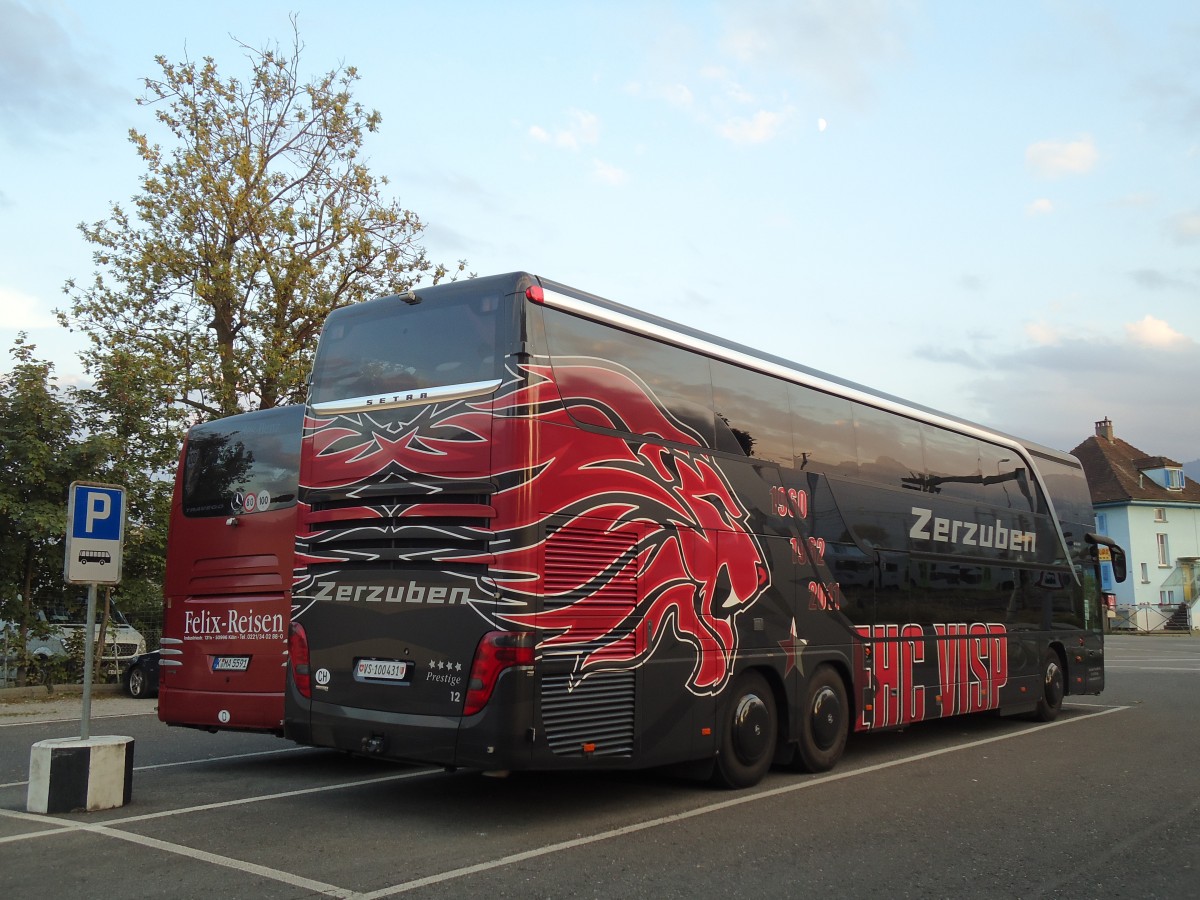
[(497, 651), (298, 659), (535, 293)]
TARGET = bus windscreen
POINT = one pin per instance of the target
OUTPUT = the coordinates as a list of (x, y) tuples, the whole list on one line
[(241, 464), (401, 344)]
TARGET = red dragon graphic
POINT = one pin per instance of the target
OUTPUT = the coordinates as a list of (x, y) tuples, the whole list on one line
[(604, 544)]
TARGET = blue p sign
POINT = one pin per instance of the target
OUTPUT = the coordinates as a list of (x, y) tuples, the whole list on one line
[(98, 514), (95, 533)]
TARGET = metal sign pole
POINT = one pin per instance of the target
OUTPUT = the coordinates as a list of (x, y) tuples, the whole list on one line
[(89, 654)]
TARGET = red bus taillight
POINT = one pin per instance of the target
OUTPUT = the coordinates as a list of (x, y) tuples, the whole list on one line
[(497, 651), (298, 659)]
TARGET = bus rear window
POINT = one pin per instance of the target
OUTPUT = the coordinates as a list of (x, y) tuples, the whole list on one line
[(243, 464), (395, 345)]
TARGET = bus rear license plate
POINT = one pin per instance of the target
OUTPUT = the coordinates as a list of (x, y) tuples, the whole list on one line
[(231, 663), (381, 670)]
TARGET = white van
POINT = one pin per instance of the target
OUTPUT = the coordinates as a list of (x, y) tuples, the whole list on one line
[(122, 642)]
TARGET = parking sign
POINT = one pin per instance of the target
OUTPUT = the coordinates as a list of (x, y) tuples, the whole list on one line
[(95, 533)]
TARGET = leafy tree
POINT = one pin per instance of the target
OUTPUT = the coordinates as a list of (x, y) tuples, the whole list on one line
[(260, 220), (40, 455)]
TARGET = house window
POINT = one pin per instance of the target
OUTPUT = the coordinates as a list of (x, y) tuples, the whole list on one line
[(1164, 554), (1160, 514), (1102, 523), (1174, 479), (1166, 598), (1145, 573)]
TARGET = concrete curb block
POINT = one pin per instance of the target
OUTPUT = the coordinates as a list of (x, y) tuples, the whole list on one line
[(66, 774)]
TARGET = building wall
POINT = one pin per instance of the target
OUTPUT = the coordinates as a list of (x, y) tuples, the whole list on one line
[(1136, 528)]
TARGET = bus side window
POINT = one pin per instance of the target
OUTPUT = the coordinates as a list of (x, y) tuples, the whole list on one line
[(822, 432), (748, 420)]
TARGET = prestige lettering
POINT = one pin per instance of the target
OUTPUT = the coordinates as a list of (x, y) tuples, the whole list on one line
[(970, 534)]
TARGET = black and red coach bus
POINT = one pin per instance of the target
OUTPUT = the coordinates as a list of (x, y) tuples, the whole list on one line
[(540, 530), (227, 593)]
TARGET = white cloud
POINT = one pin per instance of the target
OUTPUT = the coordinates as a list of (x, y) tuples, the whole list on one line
[(609, 174), (583, 128), (1152, 332), (20, 311), (1040, 207), (1186, 228), (1044, 334), (838, 43), (758, 129), (1050, 159)]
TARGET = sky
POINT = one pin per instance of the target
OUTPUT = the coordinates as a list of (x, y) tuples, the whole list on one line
[(991, 209)]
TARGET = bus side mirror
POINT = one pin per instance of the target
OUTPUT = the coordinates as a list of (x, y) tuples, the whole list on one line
[(1105, 546)]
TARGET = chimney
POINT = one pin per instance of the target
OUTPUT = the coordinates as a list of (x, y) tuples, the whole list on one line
[(1104, 429)]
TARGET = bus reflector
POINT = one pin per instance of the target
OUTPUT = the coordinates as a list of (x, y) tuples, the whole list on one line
[(535, 293), (298, 659), (497, 651)]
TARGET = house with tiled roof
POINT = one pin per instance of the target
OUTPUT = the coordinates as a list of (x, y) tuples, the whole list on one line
[(1151, 508)]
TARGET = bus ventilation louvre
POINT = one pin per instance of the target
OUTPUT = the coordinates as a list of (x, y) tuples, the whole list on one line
[(401, 525), (592, 716)]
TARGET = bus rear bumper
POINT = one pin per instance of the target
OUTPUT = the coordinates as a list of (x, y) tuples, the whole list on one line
[(221, 710), (488, 740)]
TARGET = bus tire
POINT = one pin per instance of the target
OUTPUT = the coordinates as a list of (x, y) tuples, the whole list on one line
[(824, 722), (1053, 688), (749, 731)]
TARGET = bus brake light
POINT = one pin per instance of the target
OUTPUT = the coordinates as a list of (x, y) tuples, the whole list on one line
[(535, 293), (497, 651), (298, 659)]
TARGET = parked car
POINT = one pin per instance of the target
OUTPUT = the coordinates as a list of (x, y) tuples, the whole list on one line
[(40, 649), (140, 677), (122, 642)]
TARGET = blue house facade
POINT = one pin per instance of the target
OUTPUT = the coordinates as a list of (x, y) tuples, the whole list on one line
[(1151, 508)]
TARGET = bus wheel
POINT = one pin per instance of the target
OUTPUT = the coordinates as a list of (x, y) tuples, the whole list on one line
[(824, 722), (1053, 688), (748, 734)]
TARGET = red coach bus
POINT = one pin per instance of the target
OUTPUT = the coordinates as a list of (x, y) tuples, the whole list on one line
[(541, 530), (229, 560)]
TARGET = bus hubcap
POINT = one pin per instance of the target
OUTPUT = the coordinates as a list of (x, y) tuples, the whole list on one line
[(826, 718), (750, 727), (1054, 686)]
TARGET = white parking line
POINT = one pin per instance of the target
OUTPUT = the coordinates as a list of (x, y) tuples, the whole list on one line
[(61, 720), (111, 829), (195, 762)]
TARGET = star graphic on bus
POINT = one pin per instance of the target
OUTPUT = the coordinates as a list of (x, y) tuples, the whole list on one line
[(794, 646)]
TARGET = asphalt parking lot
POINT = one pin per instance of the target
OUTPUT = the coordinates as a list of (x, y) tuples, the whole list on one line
[(1104, 802)]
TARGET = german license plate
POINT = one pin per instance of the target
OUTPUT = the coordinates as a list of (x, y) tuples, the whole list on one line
[(231, 663), (381, 670)]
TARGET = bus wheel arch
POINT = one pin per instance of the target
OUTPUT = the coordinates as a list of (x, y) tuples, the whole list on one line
[(823, 723), (749, 723)]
